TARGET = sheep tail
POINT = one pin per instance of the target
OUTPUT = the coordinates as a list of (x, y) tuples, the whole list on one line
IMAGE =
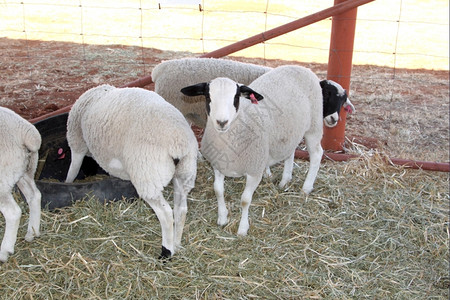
[(32, 139)]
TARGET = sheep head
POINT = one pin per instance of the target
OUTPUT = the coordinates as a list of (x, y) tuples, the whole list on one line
[(222, 97), (334, 97)]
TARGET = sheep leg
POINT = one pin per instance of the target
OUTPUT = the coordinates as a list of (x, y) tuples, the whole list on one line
[(219, 179), (164, 213), (267, 173), (75, 165), (12, 213), (287, 171), (179, 210), (315, 156), (33, 196), (183, 183), (251, 184)]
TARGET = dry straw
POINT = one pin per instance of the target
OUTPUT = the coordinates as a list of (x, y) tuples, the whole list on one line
[(368, 231)]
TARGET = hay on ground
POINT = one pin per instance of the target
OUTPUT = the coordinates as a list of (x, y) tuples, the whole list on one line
[(368, 231)]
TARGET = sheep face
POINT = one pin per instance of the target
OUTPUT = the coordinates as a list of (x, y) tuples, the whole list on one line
[(334, 97), (222, 100)]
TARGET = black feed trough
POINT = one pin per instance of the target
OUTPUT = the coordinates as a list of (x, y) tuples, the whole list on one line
[(54, 162)]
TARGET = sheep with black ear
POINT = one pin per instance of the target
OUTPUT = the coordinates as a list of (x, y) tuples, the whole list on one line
[(134, 134), (19, 145), (243, 139), (172, 75), (334, 97)]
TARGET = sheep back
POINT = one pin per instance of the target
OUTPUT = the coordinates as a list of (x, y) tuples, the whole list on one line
[(173, 75), (131, 131)]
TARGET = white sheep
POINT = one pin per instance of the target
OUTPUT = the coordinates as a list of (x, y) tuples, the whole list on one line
[(334, 98), (243, 139), (134, 134), (19, 145), (172, 75)]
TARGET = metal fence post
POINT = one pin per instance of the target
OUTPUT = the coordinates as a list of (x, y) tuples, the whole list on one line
[(340, 69)]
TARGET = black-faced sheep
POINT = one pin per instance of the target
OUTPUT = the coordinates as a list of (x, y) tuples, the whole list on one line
[(334, 97), (134, 134), (19, 145), (243, 139)]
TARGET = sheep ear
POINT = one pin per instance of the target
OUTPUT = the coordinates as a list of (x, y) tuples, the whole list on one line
[(250, 94), (323, 83), (326, 89), (195, 90), (348, 106)]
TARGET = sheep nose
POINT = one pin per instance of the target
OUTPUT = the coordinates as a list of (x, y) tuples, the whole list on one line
[(222, 123)]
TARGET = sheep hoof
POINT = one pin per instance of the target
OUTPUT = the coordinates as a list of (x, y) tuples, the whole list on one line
[(242, 230), (29, 237), (222, 220), (3, 256), (283, 184), (165, 254), (308, 190)]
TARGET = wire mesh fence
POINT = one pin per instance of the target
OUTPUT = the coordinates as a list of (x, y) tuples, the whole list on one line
[(399, 81)]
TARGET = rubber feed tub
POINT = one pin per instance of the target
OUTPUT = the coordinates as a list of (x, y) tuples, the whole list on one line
[(54, 162)]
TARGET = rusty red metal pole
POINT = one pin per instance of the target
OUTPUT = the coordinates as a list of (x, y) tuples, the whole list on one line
[(340, 69)]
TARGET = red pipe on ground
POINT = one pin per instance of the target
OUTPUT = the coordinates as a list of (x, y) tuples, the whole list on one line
[(413, 164), (53, 113)]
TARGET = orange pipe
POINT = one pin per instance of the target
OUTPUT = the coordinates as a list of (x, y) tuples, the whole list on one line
[(141, 82), (51, 114), (338, 8), (340, 69)]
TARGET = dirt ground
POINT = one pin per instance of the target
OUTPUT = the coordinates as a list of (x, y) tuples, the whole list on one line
[(396, 109)]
